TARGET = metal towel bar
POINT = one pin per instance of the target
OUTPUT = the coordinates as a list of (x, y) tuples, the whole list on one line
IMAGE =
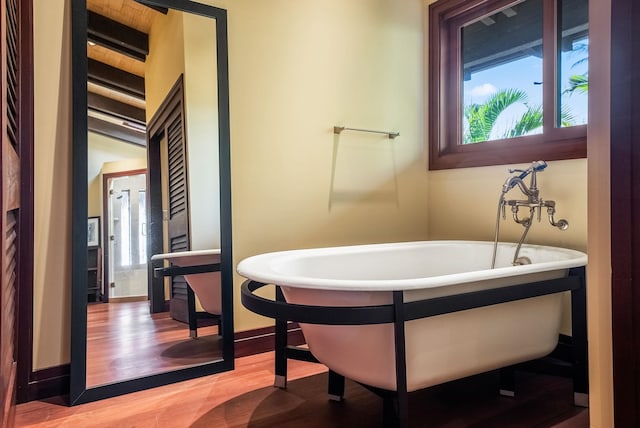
[(339, 129)]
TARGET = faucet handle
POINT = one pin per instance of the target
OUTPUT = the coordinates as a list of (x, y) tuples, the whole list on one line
[(536, 166)]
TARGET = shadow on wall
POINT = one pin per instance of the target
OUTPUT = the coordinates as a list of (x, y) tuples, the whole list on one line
[(379, 210), (363, 167)]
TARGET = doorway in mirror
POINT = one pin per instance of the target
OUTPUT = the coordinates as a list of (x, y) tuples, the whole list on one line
[(126, 244)]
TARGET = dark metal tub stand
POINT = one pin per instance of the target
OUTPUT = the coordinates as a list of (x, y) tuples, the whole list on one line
[(571, 352)]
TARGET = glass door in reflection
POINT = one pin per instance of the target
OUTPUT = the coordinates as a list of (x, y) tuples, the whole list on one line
[(126, 210)]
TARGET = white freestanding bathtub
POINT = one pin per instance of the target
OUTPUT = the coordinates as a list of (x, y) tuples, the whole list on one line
[(438, 348), (206, 286)]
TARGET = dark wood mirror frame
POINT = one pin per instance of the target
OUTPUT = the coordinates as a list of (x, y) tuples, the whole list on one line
[(79, 393)]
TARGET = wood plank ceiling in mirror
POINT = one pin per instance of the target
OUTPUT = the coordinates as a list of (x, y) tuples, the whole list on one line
[(117, 46)]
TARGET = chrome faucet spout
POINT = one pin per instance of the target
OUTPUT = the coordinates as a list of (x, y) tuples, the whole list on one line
[(561, 224), (517, 181)]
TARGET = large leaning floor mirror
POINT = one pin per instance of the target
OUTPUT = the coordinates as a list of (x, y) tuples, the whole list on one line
[(152, 293)]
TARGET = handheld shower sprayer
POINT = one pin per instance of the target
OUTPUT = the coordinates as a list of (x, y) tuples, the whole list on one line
[(536, 166), (515, 180)]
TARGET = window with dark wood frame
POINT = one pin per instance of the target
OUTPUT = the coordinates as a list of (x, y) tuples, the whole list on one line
[(447, 18)]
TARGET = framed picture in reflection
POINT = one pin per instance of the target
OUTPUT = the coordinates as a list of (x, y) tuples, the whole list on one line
[(93, 232)]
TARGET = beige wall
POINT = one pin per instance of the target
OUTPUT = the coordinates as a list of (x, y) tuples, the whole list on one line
[(185, 44), (102, 150), (297, 69), (165, 62), (201, 109), (464, 203), (599, 269), (52, 187)]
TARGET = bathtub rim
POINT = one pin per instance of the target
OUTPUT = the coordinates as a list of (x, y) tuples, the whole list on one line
[(184, 254), (260, 267), (400, 309), (195, 264)]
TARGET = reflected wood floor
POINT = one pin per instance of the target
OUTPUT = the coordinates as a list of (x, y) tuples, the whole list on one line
[(125, 341), (245, 397)]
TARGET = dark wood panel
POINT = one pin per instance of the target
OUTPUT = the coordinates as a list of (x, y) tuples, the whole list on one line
[(116, 36), (116, 131), (168, 124), (178, 304), (625, 208), (178, 224), (47, 383), (177, 191), (114, 78), (261, 340), (116, 108), (157, 8)]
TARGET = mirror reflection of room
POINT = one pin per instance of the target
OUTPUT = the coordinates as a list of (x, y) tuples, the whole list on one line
[(135, 327)]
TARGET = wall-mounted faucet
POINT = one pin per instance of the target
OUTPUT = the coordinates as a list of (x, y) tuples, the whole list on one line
[(533, 202)]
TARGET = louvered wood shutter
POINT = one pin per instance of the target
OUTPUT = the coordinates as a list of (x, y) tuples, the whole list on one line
[(178, 212), (10, 199)]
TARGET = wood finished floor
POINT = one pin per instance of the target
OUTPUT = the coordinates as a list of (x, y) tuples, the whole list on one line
[(125, 341), (245, 397)]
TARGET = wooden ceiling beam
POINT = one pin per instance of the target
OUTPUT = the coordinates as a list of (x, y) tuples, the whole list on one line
[(116, 36), (118, 132), (116, 79), (154, 7), (116, 108)]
